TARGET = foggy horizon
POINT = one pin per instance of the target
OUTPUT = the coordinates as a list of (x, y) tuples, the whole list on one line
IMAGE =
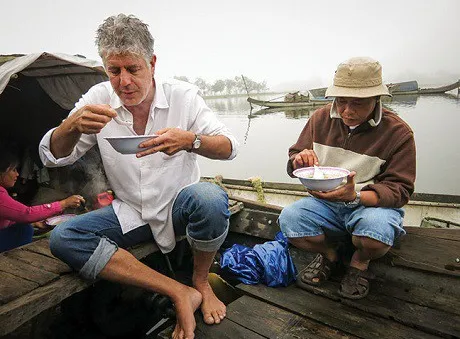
[(289, 44)]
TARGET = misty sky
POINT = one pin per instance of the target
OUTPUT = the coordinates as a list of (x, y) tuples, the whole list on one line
[(283, 42)]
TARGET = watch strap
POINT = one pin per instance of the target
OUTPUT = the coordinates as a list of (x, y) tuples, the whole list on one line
[(356, 201)]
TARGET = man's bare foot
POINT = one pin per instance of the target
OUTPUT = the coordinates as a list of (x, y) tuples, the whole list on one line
[(186, 304), (213, 309)]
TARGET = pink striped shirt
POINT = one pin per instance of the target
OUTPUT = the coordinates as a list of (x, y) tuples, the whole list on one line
[(12, 211)]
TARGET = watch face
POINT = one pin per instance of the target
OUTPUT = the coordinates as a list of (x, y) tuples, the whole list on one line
[(197, 142)]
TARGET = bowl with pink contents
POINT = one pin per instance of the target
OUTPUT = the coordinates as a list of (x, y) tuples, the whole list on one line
[(320, 178)]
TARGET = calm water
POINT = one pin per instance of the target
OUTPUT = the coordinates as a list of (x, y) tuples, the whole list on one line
[(264, 140)]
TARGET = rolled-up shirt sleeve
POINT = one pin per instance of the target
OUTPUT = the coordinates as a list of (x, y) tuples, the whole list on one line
[(207, 123), (49, 160)]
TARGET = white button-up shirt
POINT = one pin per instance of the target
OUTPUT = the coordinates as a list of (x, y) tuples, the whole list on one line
[(146, 187)]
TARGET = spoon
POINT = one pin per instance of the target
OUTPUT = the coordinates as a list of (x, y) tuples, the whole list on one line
[(318, 174)]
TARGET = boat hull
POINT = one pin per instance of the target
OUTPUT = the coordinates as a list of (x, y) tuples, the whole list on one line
[(275, 104), (423, 207)]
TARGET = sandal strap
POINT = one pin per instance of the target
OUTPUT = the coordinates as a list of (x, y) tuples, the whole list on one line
[(319, 268), (354, 283)]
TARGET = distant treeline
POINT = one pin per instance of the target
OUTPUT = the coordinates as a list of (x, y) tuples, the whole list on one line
[(226, 86)]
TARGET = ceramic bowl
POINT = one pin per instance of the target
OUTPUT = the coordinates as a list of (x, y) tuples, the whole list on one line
[(56, 220), (334, 176), (128, 144)]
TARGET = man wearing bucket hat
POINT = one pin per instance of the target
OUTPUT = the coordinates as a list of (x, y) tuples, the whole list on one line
[(377, 146)]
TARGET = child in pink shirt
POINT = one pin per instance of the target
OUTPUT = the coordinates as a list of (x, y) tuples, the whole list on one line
[(16, 218)]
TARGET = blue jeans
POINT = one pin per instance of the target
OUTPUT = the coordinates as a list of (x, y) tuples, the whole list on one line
[(15, 235), (309, 217), (88, 241)]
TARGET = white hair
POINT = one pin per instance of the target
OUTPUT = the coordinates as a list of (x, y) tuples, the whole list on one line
[(124, 34)]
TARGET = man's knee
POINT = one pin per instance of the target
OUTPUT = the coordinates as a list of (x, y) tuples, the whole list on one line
[(288, 216), (61, 240), (370, 244), (208, 208), (209, 196)]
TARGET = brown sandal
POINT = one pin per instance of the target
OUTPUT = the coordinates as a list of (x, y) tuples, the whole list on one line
[(354, 284), (319, 269)]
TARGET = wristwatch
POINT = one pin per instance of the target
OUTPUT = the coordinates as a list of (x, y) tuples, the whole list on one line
[(197, 142), (354, 202)]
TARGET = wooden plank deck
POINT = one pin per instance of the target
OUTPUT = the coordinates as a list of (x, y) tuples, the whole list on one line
[(401, 303), (32, 280), (416, 294)]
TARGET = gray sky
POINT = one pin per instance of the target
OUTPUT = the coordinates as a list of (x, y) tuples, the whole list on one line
[(286, 43)]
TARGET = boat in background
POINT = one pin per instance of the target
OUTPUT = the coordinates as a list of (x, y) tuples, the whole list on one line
[(442, 89), (289, 112), (406, 87), (306, 101), (411, 87), (400, 88)]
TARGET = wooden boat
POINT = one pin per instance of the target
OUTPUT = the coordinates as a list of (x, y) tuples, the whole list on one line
[(407, 87), (401, 88), (442, 89), (411, 87), (290, 112), (423, 208), (318, 92), (282, 104), (415, 292)]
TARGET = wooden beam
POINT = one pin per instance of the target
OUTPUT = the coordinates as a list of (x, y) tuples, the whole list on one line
[(24, 308)]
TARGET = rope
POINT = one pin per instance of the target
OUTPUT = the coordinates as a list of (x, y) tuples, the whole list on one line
[(257, 184)]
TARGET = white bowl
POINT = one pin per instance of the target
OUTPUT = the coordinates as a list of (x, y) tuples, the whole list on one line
[(129, 144), (334, 176)]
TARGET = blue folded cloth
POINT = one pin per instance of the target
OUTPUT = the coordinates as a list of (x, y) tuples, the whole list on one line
[(269, 263)]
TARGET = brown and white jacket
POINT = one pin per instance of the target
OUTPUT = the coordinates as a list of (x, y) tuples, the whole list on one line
[(381, 151)]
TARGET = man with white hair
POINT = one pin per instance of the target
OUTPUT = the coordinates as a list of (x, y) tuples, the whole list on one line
[(158, 192), (377, 146)]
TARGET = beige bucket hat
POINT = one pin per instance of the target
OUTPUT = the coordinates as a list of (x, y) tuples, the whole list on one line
[(359, 77)]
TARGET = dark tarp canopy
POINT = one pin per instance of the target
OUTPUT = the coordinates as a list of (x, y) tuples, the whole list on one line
[(38, 90)]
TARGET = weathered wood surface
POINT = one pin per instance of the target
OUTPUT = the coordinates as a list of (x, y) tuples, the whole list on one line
[(248, 317), (40, 261), (440, 233), (416, 293), (273, 322), (332, 313), (41, 247), (33, 280), (12, 287), (401, 302), (225, 330), (256, 223), (25, 271), (24, 308), (425, 251), (404, 310)]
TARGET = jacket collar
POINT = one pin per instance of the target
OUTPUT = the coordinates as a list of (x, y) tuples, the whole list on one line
[(375, 121)]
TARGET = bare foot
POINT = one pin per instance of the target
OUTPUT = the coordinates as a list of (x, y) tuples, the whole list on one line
[(213, 309), (187, 303)]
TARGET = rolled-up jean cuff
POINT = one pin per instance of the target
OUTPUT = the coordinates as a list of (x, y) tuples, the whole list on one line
[(100, 257), (207, 245)]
